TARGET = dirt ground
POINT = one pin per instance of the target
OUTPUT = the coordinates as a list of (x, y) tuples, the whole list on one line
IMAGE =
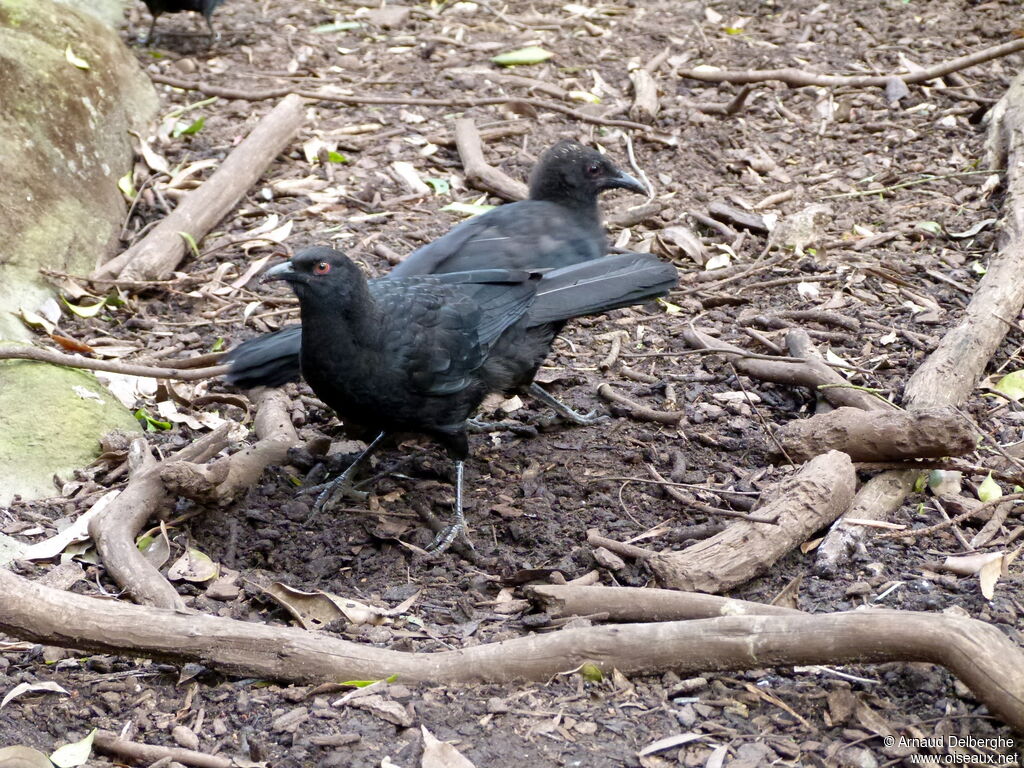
[(898, 260)]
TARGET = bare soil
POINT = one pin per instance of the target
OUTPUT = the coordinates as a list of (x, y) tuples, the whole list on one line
[(531, 500)]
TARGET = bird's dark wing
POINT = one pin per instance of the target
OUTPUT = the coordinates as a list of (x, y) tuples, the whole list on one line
[(269, 360), (441, 329), (531, 234), (592, 287)]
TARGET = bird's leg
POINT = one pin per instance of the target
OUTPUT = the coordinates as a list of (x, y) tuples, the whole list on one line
[(214, 34), (152, 27), (342, 486), (447, 535), (563, 410)]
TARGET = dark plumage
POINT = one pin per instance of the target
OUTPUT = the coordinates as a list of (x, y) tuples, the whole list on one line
[(419, 353), (205, 7), (558, 226)]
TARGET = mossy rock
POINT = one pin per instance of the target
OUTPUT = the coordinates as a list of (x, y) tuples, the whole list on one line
[(110, 12), (51, 420), (64, 137)]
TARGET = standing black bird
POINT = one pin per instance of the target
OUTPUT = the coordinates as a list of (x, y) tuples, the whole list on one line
[(205, 7), (559, 225), (419, 353)]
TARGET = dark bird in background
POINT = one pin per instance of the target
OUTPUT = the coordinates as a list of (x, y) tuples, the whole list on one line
[(205, 7), (420, 353), (559, 225)]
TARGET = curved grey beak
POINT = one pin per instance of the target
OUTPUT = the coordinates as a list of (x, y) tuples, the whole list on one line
[(623, 180), (280, 272)]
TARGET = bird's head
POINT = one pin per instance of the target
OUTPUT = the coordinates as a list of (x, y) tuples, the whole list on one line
[(318, 271), (569, 172)]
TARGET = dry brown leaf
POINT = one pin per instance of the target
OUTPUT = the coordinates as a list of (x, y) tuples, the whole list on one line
[(441, 754)]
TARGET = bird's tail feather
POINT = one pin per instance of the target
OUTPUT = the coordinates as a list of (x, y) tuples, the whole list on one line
[(600, 285), (269, 360)]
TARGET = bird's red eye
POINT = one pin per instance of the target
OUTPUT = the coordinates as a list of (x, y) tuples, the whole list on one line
[(593, 169), (321, 268)]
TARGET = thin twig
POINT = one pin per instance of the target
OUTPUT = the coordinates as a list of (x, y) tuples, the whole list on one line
[(337, 98), (913, 182), (21, 352), (951, 521), (705, 508), (798, 78)]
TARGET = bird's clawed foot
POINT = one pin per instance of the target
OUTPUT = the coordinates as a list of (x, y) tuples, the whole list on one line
[(478, 426), (564, 411), (343, 487), (583, 419), (447, 535), (338, 489)]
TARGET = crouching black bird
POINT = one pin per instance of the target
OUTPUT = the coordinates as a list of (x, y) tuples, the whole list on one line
[(205, 7), (559, 225), (420, 353)]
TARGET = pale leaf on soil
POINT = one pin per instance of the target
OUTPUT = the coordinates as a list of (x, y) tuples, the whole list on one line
[(35, 320), (808, 290), (687, 241), (23, 757), (73, 59), (988, 576), (155, 546), (22, 688), (832, 357), (718, 261), (717, 757), (1011, 385), (407, 173), (945, 482), (969, 565), (77, 531), (972, 230), (128, 390), (156, 162), (669, 742), (989, 489), (86, 311), (532, 54), (179, 178), (126, 187), (73, 754), (315, 609), (193, 566), (441, 754)]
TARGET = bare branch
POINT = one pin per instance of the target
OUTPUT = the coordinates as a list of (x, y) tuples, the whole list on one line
[(799, 78)]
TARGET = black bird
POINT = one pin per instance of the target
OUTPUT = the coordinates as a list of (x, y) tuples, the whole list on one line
[(558, 225), (419, 353), (205, 7)]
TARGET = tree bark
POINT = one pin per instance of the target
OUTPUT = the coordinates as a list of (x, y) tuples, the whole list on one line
[(978, 653), (804, 503)]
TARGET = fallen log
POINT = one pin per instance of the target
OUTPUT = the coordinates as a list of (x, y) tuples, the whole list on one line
[(802, 504), (977, 653), (155, 256), (879, 435)]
